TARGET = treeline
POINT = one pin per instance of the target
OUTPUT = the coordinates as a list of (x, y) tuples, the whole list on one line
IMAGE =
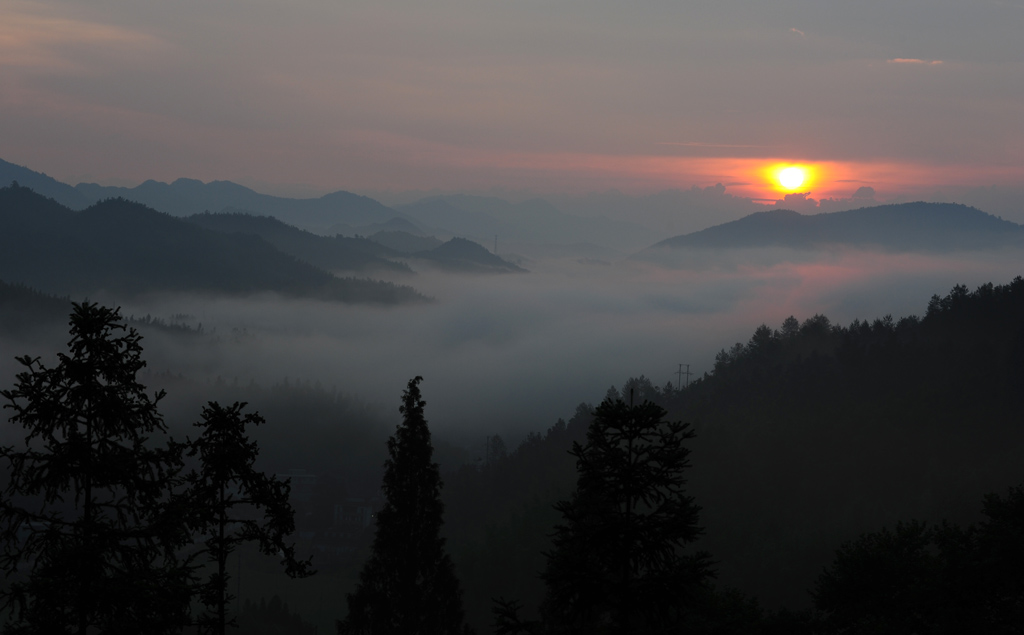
[(806, 437), (23, 309)]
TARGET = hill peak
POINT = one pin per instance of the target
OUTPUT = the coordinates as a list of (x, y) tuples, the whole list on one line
[(917, 226)]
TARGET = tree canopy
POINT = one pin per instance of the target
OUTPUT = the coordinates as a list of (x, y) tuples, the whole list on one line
[(618, 563), (88, 520), (408, 586)]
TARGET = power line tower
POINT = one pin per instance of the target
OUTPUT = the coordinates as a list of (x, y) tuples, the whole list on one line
[(682, 372)]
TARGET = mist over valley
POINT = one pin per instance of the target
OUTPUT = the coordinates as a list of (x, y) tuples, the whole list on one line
[(320, 331), (504, 352)]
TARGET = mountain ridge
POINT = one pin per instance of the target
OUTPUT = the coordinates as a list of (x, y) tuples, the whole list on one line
[(126, 248), (461, 254), (905, 226), (331, 253), (187, 197)]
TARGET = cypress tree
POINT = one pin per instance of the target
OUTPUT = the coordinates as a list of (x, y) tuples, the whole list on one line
[(408, 586)]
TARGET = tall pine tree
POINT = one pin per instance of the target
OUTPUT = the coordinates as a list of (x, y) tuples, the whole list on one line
[(88, 525), (408, 586), (228, 497), (618, 564)]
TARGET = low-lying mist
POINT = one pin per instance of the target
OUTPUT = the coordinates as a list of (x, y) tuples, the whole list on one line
[(512, 353)]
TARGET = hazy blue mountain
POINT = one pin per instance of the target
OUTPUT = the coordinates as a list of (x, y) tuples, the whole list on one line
[(45, 185), (335, 253), (904, 227), (396, 224), (528, 222), (126, 248), (532, 222), (459, 254), (406, 242), (186, 197)]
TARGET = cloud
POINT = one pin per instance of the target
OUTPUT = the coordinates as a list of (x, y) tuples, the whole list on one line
[(517, 352), (34, 40), (913, 60), (864, 192), (799, 202), (797, 31), (701, 144)]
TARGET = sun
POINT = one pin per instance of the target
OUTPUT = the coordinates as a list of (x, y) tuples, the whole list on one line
[(792, 177)]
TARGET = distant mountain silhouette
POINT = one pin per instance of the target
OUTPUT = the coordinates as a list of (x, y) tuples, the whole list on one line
[(127, 248), (45, 185), (396, 224), (903, 227), (336, 253), (405, 242), (185, 197), (459, 254), (532, 222)]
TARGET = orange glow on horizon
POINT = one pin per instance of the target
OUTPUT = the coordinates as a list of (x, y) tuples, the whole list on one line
[(415, 163)]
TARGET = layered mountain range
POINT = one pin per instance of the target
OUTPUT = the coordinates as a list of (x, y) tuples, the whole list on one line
[(126, 248), (347, 233)]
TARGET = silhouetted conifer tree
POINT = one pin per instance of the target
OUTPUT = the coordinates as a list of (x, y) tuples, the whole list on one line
[(90, 535), (617, 564), (224, 493), (408, 586)]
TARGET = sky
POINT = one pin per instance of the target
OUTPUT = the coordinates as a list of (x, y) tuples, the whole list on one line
[(913, 98)]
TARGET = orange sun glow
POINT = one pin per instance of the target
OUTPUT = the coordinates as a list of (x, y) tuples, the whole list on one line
[(789, 178)]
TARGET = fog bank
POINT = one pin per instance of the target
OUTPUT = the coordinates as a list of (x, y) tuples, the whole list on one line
[(513, 353)]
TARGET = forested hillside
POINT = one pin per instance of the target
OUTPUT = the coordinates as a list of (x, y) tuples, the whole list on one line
[(807, 435), (331, 253), (813, 432)]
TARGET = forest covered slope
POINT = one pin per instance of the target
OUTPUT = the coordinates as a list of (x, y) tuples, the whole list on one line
[(807, 435), (332, 253)]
